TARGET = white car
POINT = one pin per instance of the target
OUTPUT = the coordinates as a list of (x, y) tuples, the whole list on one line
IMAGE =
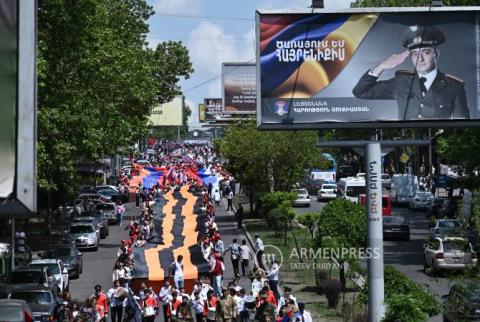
[(327, 191), (56, 267), (303, 199), (421, 200), (449, 253)]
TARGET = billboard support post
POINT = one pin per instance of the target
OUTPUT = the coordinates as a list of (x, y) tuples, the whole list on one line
[(376, 307)]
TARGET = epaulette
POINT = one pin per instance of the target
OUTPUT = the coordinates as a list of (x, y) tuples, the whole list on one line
[(454, 78)]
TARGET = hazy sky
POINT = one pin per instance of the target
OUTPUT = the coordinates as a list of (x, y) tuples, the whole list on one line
[(215, 31)]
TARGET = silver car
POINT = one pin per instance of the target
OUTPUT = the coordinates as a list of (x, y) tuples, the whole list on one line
[(449, 253), (108, 210), (303, 199), (84, 236)]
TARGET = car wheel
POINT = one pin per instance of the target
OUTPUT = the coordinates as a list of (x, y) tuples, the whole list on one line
[(434, 270), (407, 238), (96, 247), (108, 231), (425, 268), (81, 267), (77, 273)]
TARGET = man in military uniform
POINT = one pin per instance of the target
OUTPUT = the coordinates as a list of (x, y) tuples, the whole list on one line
[(425, 93)]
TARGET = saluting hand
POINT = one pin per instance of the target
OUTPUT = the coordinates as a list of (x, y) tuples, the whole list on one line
[(391, 62)]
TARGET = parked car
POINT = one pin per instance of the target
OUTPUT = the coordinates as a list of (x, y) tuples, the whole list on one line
[(15, 311), (108, 210), (303, 198), (313, 185), (448, 253), (69, 255), (396, 227), (420, 200), (114, 195), (462, 303), (386, 181), (97, 219), (56, 267), (43, 302), (327, 191), (84, 235), (28, 276), (434, 206), (445, 227)]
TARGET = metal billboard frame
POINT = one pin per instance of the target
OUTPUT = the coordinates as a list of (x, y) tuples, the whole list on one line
[(351, 125)]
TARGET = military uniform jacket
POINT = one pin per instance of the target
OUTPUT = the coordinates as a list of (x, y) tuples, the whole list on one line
[(445, 99)]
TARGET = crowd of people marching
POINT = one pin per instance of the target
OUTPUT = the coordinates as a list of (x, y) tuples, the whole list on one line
[(213, 298)]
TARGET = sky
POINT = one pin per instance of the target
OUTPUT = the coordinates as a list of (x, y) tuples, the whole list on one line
[(214, 31)]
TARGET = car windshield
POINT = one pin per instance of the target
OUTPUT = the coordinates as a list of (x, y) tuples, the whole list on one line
[(105, 207), (355, 191), (29, 277), (81, 229), (455, 245), (58, 252), (33, 297), (448, 224), (424, 194), (11, 313), (329, 186), (393, 220), (52, 267), (301, 191)]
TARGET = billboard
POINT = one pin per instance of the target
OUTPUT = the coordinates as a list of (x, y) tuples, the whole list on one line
[(168, 114), (201, 113), (239, 87), (18, 107), (213, 109), (368, 68)]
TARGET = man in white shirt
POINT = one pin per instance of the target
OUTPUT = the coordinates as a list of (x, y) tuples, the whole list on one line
[(273, 278), (177, 270), (287, 295), (117, 296), (302, 315), (259, 249), (243, 313), (245, 256), (165, 296)]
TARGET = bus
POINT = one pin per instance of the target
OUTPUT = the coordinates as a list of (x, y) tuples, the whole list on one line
[(350, 188)]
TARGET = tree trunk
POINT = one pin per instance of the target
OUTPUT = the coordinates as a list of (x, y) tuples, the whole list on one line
[(285, 234), (250, 198), (342, 276), (296, 245)]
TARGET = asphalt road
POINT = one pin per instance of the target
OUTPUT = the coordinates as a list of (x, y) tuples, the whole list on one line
[(405, 256)]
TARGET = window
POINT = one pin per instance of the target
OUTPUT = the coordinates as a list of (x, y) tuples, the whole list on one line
[(33, 297), (355, 191)]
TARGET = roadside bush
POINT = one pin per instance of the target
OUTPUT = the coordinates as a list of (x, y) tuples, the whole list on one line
[(272, 200), (309, 220), (403, 308), (332, 290), (397, 283)]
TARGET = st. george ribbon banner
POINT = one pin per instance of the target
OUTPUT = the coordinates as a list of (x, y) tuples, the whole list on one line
[(368, 68)]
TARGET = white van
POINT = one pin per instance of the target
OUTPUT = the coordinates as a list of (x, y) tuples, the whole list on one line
[(403, 187), (350, 188)]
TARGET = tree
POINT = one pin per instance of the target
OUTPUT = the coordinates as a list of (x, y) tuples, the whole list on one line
[(342, 226), (402, 308), (268, 161), (309, 220), (97, 80)]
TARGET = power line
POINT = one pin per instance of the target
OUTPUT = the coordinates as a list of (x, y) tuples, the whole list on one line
[(204, 17), (215, 77)]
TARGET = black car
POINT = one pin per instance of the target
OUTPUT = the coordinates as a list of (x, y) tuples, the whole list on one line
[(28, 277), (69, 255), (313, 185), (396, 227), (434, 207), (43, 301), (462, 303), (114, 195)]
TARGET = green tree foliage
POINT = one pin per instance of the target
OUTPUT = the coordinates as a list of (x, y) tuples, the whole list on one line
[(309, 220), (273, 200), (262, 160), (397, 283), (97, 80), (402, 308), (342, 225)]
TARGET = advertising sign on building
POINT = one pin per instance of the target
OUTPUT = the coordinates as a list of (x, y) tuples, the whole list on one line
[(213, 109), (201, 113), (168, 114), (392, 67), (239, 87)]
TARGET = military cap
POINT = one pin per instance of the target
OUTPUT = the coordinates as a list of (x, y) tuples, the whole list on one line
[(421, 36)]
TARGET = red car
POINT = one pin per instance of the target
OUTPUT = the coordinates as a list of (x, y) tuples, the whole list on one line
[(386, 203)]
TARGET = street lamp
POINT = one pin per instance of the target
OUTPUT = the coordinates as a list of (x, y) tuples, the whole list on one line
[(430, 152)]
